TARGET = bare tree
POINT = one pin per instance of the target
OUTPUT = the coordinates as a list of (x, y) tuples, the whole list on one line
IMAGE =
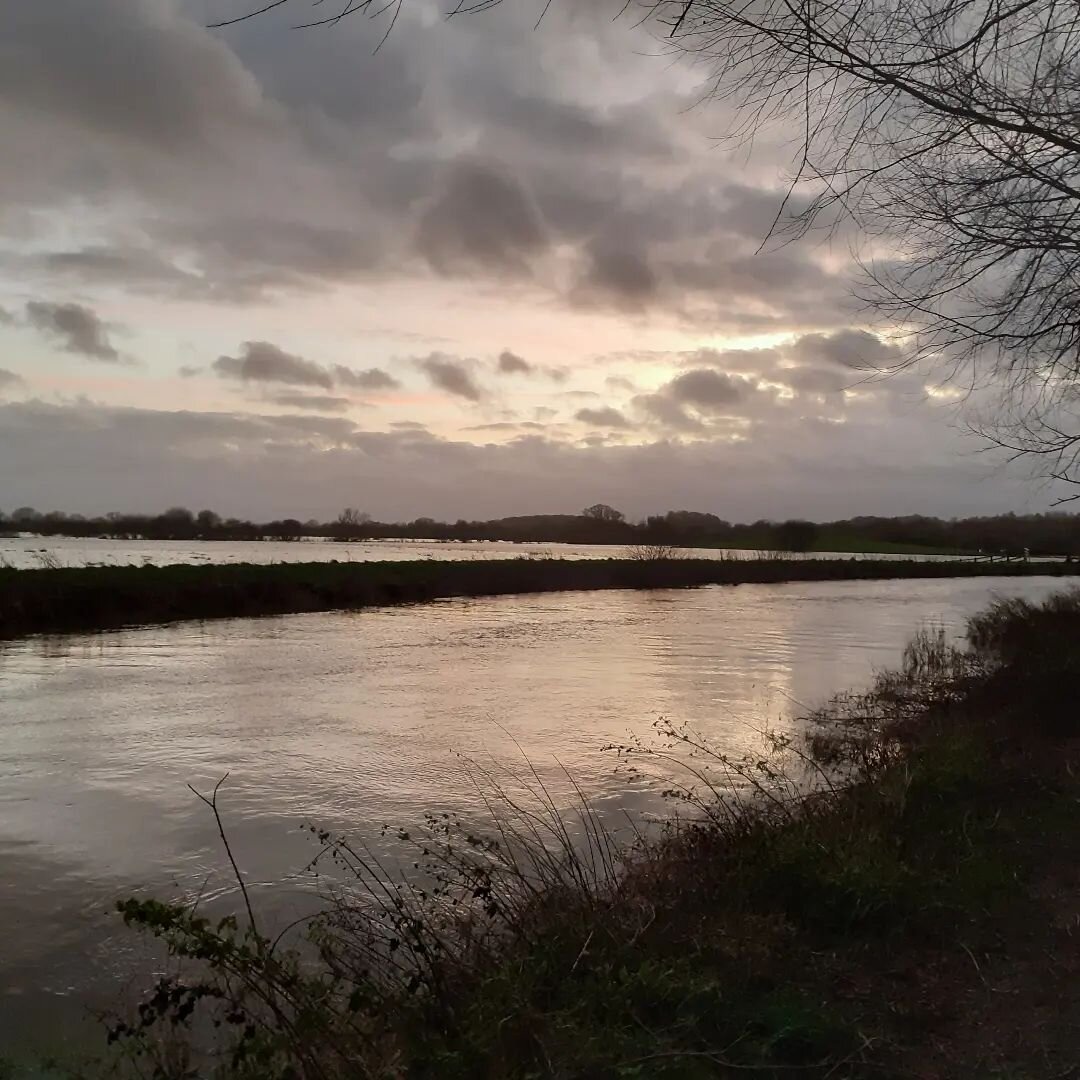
[(651, 552), (603, 512), (949, 132), (351, 524)]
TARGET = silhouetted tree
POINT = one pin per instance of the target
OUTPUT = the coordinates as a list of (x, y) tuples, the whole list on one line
[(796, 535), (952, 128), (351, 524), (603, 512)]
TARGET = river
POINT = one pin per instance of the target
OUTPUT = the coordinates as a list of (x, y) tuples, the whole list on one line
[(356, 720)]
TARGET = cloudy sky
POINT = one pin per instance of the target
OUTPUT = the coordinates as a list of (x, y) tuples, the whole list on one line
[(486, 269)]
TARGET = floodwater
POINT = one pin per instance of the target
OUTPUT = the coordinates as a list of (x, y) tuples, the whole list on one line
[(34, 552), (356, 720)]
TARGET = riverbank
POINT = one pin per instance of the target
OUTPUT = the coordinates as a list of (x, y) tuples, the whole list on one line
[(79, 599), (892, 895)]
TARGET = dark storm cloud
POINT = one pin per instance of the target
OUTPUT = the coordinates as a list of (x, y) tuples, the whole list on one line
[(509, 363), (77, 328), (606, 417), (481, 219), (451, 374), (261, 361), (370, 379)]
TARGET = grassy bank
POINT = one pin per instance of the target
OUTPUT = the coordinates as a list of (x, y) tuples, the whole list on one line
[(72, 599), (893, 894)]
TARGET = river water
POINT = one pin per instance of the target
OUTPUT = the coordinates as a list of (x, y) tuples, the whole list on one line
[(356, 720)]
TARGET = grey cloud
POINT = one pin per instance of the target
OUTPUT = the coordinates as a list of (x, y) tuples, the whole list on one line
[(813, 380), (618, 274), (606, 417), (508, 425), (129, 68), (77, 328), (692, 402), (188, 371), (809, 364), (301, 166), (9, 380), (619, 382), (85, 457), (370, 379), (754, 360), (255, 250), (136, 268), (848, 348), (668, 413), (707, 389), (450, 374), (261, 361), (509, 363), (498, 425), (482, 219), (327, 403)]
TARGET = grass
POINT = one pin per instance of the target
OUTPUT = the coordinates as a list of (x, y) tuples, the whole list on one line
[(891, 895), (73, 599)]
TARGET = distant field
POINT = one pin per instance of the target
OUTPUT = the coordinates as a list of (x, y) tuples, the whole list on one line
[(73, 599)]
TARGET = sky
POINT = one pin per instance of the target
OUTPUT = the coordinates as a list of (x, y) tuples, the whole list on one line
[(494, 265)]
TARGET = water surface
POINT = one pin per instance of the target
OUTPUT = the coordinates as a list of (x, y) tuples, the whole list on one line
[(34, 552), (355, 720)]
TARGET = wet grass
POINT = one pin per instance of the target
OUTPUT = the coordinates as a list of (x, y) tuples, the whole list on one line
[(893, 895), (72, 599)]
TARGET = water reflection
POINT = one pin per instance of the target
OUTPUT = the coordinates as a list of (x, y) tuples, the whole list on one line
[(355, 720)]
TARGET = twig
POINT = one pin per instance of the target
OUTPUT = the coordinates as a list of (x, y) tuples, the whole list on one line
[(212, 803)]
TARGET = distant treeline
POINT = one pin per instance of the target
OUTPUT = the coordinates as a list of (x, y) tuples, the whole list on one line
[(1010, 534)]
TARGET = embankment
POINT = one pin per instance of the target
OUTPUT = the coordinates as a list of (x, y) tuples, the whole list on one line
[(74, 599)]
